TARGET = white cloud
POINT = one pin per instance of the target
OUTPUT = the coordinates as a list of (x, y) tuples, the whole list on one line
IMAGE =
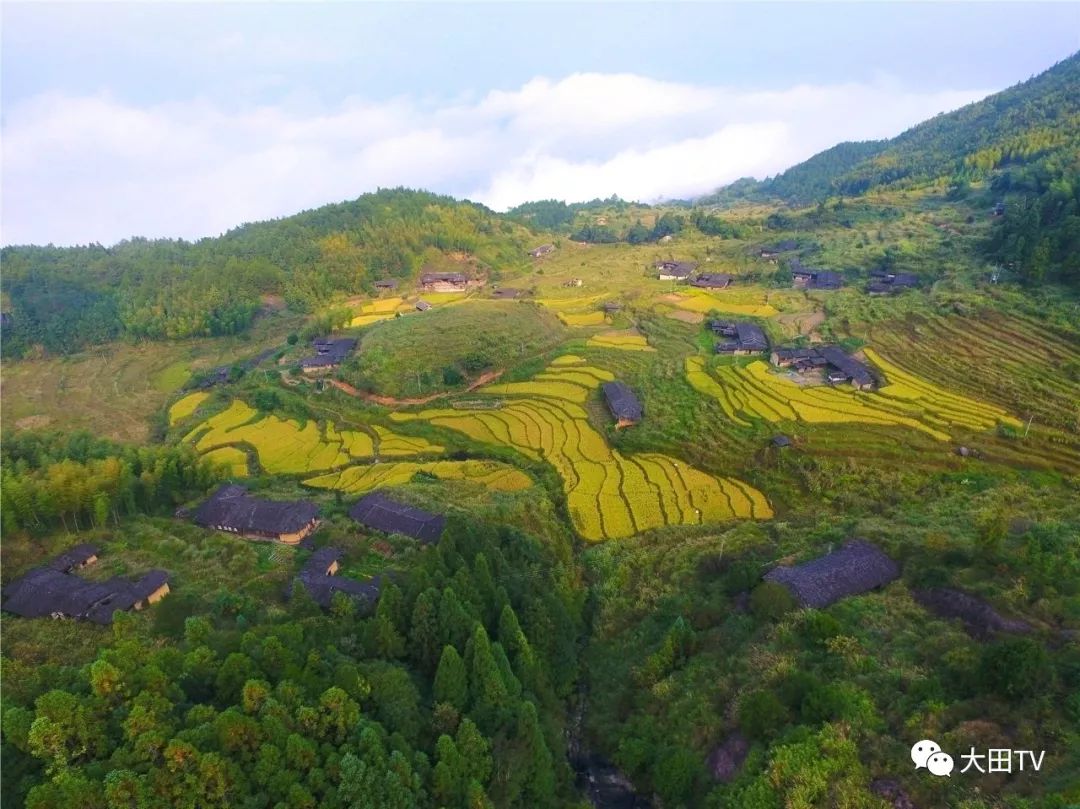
[(80, 169)]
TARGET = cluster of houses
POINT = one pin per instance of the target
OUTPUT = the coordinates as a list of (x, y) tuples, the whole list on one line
[(740, 337), (883, 282), (837, 365), (684, 271), (330, 352), (448, 282), (808, 278), (54, 590), (233, 510)]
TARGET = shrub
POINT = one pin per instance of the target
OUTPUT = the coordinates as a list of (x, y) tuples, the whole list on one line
[(761, 715), (771, 601)]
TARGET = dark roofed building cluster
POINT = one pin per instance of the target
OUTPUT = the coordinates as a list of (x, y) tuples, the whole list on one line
[(54, 590), (329, 353), (378, 511), (888, 283), (807, 278), (838, 366), (232, 509), (675, 270), (742, 338), (623, 404), (445, 281), (772, 251), (319, 577), (856, 567)]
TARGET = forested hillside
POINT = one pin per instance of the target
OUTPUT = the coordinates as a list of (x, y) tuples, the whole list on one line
[(66, 298)]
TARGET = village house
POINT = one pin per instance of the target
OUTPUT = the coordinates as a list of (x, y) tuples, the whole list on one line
[(381, 513), (856, 567), (715, 280), (806, 278), (837, 366), (611, 307), (542, 250), (447, 282), (422, 306), (387, 284), (54, 590), (743, 338), (329, 353), (780, 441), (773, 251), (506, 293), (675, 270), (888, 283), (623, 404), (233, 510), (319, 578)]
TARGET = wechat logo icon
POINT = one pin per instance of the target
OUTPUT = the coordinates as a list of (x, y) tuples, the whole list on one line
[(928, 754)]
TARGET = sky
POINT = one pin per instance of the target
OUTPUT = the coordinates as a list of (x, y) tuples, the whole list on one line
[(183, 120)]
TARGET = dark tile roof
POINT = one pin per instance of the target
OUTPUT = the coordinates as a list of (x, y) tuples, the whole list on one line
[(622, 402), (423, 306), (321, 585), (506, 292), (711, 280), (378, 511), (849, 366), (854, 568), (444, 277), (74, 557), (746, 337), (680, 269), (542, 250), (232, 508), (329, 352), (781, 441), (387, 283), (780, 247), (47, 591)]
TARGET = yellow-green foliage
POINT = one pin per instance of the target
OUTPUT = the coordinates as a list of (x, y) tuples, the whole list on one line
[(582, 318), (358, 479), (628, 341), (754, 392), (285, 447), (608, 495), (233, 459), (183, 408)]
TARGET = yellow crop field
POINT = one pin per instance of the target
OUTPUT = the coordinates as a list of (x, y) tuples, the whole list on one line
[(366, 320), (628, 341), (755, 392), (393, 444), (234, 459), (608, 495), (693, 301), (581, 318), (562, 304), (183, 408), (382, 306), (437, 298), (568, 359), (359, 479), (284, 447)]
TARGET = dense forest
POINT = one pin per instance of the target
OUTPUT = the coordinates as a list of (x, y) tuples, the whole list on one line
[(448, 694), (66, 298)]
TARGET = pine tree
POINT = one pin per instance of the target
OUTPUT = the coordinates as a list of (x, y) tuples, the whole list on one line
[(424, 637), (451, 682)]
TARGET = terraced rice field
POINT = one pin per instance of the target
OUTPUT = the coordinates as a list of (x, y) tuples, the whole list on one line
[(753, 392), (382, 309), (1012, 360), (286, 447), (234, 459), (582, 318), (358, 479), (183, 408), (750, 303), (608, 495), (625, 340)]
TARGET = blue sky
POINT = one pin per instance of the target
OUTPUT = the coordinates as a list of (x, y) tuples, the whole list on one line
[(187, 119)]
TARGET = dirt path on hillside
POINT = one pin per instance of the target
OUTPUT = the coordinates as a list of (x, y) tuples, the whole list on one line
[(390, 401)]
